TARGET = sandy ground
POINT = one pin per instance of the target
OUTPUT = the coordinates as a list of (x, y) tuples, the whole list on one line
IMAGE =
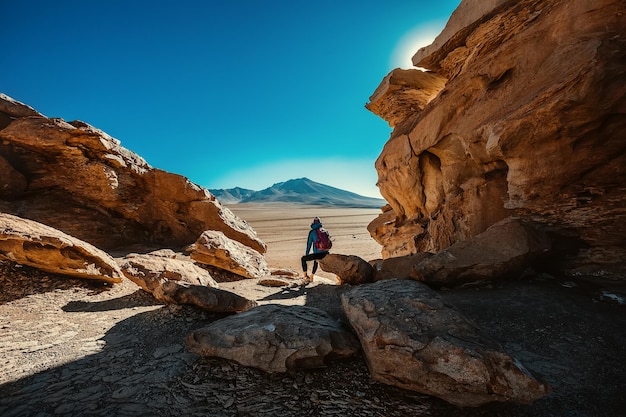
[(285, 227)]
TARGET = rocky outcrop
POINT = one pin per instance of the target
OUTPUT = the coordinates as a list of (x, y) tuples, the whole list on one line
[(216, 249), (76, 178), (529, 123), (275, 338), (350, 269), (27, 242), (152, 270), (412, 340), (504, 250)]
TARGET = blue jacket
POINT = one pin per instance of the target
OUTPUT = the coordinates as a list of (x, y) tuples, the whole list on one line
[(312, 239)]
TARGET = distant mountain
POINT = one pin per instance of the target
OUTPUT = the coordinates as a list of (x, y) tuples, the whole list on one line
[(232, 195), (299, 191)]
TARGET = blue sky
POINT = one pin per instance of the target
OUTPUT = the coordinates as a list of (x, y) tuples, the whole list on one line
[(225, 92)]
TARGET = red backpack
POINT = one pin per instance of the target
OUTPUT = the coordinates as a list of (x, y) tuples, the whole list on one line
[(323, 241)]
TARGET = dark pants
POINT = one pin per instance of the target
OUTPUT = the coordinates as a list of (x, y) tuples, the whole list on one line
[(312, 257)]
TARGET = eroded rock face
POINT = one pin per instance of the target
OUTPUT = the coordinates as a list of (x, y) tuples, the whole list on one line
[(216, 249), (78, 179), (529, 123), (412, 340), (34, 244), (275, 338)]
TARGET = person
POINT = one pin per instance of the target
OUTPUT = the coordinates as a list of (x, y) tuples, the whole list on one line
[(316, 254)]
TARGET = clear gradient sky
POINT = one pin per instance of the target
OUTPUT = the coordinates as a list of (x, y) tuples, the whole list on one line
[(225, 92)]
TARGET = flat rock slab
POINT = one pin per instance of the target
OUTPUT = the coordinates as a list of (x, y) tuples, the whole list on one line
[(412, 340), (203, 297), (275, 338), (34, 244)]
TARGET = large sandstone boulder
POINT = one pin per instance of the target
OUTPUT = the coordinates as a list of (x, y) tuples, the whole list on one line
[(504, 250), (203, 297), (216, 249), (412, 340), (275, 338), (350, 269), (27, 242), (78, 179), (529, 123), (151, 270)]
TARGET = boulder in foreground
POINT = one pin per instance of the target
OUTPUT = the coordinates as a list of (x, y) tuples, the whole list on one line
[(30, 243), (275, 338), (412, 340)]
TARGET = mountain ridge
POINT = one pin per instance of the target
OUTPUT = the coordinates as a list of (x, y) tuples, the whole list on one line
[(298, 191)]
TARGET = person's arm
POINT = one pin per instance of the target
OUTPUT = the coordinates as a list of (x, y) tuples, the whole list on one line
[(309, 242)]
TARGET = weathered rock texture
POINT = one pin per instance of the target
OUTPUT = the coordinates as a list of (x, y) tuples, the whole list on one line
[(350, 269), (150, 271), (530, 123), (78, 179), (216, 249), (412, 340), (34, 244), (276, 338)]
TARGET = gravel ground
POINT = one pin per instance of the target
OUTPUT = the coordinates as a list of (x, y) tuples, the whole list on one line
[(74, 347)]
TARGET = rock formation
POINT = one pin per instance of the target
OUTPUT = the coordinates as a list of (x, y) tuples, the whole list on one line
[(34, 244), (522, 113), (400, 267), (412, 340), (78, 179), (349, 269), (216, 249), (504, 250), (152, 270), (275, 338)]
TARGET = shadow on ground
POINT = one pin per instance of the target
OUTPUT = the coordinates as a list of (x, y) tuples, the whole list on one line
[(567, 339)]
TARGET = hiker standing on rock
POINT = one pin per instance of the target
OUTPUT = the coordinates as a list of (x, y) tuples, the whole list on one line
[(319, 241)]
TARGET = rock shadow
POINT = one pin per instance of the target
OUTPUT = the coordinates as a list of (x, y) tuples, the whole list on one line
[(18, 281), (139, 298)]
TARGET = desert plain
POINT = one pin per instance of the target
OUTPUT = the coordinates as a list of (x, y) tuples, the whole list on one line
[(284, 228)]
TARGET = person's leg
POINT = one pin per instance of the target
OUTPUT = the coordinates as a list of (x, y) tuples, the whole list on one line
[(319, 255), (304, 266)]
